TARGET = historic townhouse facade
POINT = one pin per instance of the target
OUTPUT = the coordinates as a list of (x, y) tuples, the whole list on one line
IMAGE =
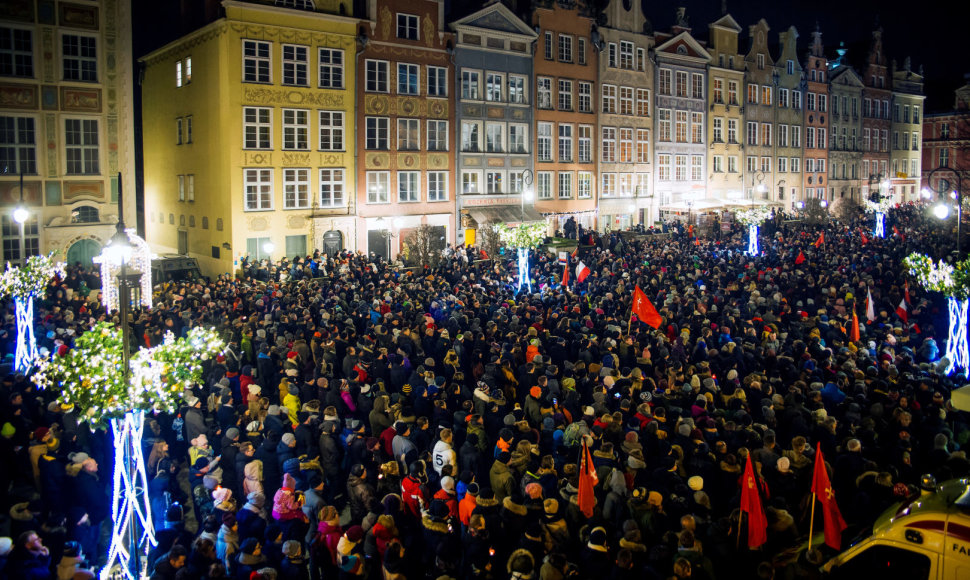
[(725, 123), (907, 109), (625, 117), (680, 108), (494, 94), (566, 90), (249, 136), (876, 98), (760, 113), (789, 149), (817, 120), (406, 120), (66, 126), (946, 145), (845, 144)]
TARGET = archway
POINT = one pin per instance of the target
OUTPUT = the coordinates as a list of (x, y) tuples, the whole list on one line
[(83, 251)]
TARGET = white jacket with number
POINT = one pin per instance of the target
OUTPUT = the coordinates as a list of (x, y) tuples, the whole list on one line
[(443, 455)]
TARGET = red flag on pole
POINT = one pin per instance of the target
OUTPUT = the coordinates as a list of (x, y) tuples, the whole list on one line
[(854, 331), (865, 240), (822, 488), (565, 275), (581, 271), (587, 481), (820, 240), (906, 295), (902, 311), (644, 309), (800, 258), (751, 504)]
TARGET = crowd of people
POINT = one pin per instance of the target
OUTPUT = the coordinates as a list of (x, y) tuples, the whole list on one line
[(371, 422)]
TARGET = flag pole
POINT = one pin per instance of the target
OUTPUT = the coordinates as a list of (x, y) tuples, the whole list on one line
[(737, 542), (811, 523), (629, 325)]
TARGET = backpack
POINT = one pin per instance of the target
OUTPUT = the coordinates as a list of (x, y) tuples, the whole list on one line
[(203, 501), (574, 432)]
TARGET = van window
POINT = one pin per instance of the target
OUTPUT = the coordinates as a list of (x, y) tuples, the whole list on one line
[(885, 563)]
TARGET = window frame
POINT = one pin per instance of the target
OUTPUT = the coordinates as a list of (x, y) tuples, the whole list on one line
[(295, 65), (414, 186), (332, 129), (84, 147), (333, 70), (408, 78), (259, 62), (257, 125), (440, 142), (411, 128), (439, 83), (79, 57), (18, 148), (374, 179), (442, 180), (407, 25), (377, 138), (297, 178), (334, 183), (373, 80), (294, 130), (260, 195), (13, 52)]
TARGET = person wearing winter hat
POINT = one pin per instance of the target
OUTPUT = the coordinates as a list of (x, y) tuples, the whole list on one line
[(228, 540), (252, 517), (448, 495), (350, 552), (294, 564), (695, 483), (468, 503), (521, 565), (596, 555)]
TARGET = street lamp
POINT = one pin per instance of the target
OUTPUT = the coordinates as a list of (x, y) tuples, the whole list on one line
[(20, 215), (956, 194), (268, 248)]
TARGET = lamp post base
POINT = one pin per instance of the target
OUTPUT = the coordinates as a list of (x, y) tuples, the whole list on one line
[(26, 343)]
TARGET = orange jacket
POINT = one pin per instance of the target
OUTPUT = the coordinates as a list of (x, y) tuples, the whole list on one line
[(465, 508)]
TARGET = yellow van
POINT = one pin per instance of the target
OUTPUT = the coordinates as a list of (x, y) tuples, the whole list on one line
[(926, 537)]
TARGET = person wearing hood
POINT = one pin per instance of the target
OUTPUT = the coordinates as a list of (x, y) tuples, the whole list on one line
[(288, 507), (294, 563), (501, 478), (228, 541), (292, 404), (71, 566), (359, 493), (285, 450), (272, 473), (326, 539), (249, 559)]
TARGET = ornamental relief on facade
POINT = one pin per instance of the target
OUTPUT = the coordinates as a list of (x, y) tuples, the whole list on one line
[(257, 158), (332, 159), (296, 159), (286, 97), (258, 224), (296, 222), (437, 161), (404, 106), (377, 161), (319, 39)]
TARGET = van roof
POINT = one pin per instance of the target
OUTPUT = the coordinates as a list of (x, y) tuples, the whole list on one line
[(930, 511)]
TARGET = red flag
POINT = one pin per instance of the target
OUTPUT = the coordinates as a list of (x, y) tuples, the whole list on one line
[(483, 254), (587, 481), (822, 488), (854, 331), (575, 252), (582, 271), (751, 503), (820, 240), (644, 309), (565, 275), (800, 258), (906, 295), (896, 230), (902, 311), (865, 240)]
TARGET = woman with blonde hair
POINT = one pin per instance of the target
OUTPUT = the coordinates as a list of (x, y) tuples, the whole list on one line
[(159, 452)]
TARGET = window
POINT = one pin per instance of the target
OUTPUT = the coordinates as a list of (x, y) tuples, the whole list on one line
[(888, 562), (378, 187), (944, 130), (544, 145), (626, 145), (641, 60), (765, 95), (179, 130), (17, 53), (517, 90), (766, 134), (626, 100), (915, 114), (376, 74), (178, 73), (823, 101), (469, 137), (544, 92), (408, 134), (680, 126), (437, 135), (718, 164), (585, 97), (188, 129), (407, 79), (518, 137), (80, 58), (820, 165), (87, 214), (181, 181), (665, 81), (643, 146), (296, 188), (944, 157), (732, 164), (331, 68), (331, 131), (256, 61), (585, 144), (18, 150), (696, 86), (822, 138), (696, 167), (584, 189), (732, 92), (643, 103), (752, 94), (611, 51), (437, 186), (752, 134), (795, 164), (257, 127), (796, 99), (544, 185), (11, 238), (547, 45), (259, 189), (296, 129), (719, 91), (796, 136), (810, 137), (783, 135), (565, 48), (565, 185), (493, 137), (680, 167), (378, 129), (885, 109), (790, 67), (663, 167), (581, 50), (696, 128), (732, 131), (608, 152), (626, 55), (188, 69), (407, 26), (810, 101), (470, 83), (565, 95), (766, 164), (609, 99), (609, 185), (470, 183), (751, 164), (516, 182), (914, 144), (663, 116), (407, 186), (809, 165), (565, 142), (782, 165), (296, 61), (81, 146), (718, 127), (331, 187), (681, 87), (626, 185), (761, 61), (493, 87)]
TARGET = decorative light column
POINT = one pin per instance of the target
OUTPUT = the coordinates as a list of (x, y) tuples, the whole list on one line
[(953, 281), (22, 283), (752, 218), (523, 237), (879, 204)]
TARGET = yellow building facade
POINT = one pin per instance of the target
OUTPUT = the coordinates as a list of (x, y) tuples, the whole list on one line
[(249, 136), (725, 121)]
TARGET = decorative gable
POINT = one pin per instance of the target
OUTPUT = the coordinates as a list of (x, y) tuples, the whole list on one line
[(496, 17)]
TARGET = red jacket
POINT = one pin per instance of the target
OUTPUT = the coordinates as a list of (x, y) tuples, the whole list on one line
[(450, 500), (411, 492)]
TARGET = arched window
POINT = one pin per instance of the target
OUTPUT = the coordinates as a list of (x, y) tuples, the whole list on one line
[(85, 214), (296, 4)]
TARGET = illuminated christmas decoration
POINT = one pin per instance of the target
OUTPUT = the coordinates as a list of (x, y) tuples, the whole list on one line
[(752, 218), (953, 281), (139, 263), (880, 208), (23, 283), (90, 377), (523, 237)]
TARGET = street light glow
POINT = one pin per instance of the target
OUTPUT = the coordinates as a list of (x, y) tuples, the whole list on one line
[(941, 211), (268, 247), (20, 214), (527, 195)]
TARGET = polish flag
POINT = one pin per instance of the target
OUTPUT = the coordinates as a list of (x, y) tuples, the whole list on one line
[(582, 271), (903, 311), (870, 307)]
